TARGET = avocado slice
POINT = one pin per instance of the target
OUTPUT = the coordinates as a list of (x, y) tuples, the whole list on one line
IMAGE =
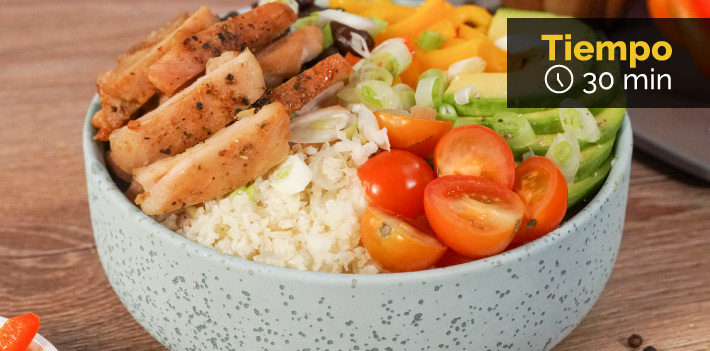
[(593, 156), (499, 24), (584, 188), (609, 121), (491, 98)]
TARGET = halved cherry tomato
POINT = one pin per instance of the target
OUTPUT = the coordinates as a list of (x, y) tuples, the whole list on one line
[(413, 134), (476, 151), (396, 243), (542, 187), (18, 332), (473, 216), (395, 180), (452, 258)]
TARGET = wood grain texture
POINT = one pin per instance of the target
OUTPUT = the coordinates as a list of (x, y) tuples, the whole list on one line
[(51, 52)]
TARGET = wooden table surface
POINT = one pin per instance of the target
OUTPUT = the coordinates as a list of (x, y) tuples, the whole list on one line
[(50, 54)]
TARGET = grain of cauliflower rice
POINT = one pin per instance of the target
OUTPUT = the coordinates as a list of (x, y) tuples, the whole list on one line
[(317, 229)]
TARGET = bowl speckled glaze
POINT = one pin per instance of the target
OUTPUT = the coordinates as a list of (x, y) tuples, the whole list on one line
[(190, 297)]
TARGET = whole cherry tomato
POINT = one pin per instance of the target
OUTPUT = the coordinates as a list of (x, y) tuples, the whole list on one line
[(395, 180)]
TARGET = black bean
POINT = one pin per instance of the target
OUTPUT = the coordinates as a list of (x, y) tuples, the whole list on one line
[(635, 340), (649, 348), (342, 35)]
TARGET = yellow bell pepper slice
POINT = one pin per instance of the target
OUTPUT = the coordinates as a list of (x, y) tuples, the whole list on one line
[(467, 32), (424, 15), (355, 6), (443, 58), (444, 27), (472, 14), (453, 42), (388, 11)]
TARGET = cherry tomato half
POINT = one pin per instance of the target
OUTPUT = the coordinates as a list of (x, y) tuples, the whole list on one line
[(475, 151), (415, 135), (395, 180), (18, 332), (473, 216), (396, 243), (542, 188)]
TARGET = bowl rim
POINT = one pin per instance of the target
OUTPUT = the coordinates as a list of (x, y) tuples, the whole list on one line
[(93, 154)]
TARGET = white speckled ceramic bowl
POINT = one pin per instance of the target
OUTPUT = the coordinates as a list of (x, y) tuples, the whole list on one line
[(190, 297)]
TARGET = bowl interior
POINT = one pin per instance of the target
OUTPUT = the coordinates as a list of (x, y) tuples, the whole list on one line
[(94, 153)]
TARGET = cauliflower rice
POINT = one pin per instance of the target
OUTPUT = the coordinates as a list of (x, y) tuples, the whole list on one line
[(317, 229)]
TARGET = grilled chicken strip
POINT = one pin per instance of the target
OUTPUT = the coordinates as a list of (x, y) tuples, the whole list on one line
[(229, 159), (191, 116), (283, 58), (126, 88), (301, 89), (254, 30)]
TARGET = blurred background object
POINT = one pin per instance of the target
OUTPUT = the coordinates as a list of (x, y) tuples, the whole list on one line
[(576, 8)]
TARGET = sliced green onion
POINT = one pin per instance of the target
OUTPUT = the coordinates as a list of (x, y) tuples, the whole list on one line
[(381, 26), (502, 43), (514, 128), (463, 95), (327, 36), (564, 152), (406, 95), (440, 84), (377, 95), (348, 95), (320, 126), (578, 120), (244, 189), (393, 55), (348, 19), (431, 40), (473, 65), (293, 176), (528, 154), (424, 95), (447, 112), (372, 72), (369, 127), (359, 44), (313, 18)]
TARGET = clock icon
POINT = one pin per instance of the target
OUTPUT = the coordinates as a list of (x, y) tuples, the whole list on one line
[(554, 79)]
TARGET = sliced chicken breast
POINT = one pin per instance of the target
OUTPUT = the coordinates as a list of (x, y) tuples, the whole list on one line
[(254, 30), (124, 89), (227, 160), (191, 116), (284, 57), (299, 90)]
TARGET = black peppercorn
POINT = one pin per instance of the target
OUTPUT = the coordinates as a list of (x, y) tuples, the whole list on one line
[(649, 348), (635, 340)]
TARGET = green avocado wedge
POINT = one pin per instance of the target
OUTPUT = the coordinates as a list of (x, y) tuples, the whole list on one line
[(609, 121), (581, 189), (592, 157)]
